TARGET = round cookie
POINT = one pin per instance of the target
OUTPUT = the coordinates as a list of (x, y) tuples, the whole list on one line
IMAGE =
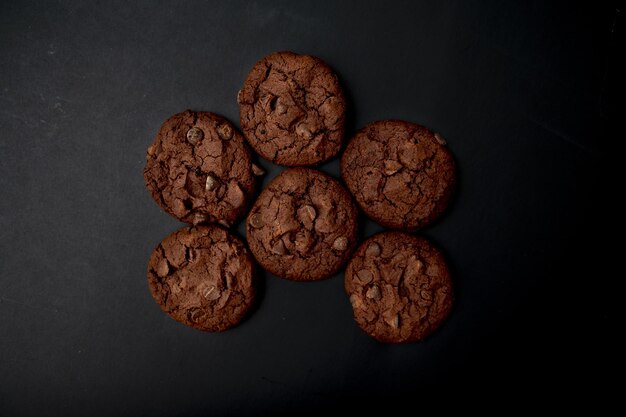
[(199, 169), (399, 286), (292, 109), (303, 226), (401, 174), (203, 277)]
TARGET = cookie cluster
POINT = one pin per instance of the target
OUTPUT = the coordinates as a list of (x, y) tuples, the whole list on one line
[(304, 225)]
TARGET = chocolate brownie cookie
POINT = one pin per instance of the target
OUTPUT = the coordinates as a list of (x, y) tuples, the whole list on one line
[(203, 277), (292, 109), (399, 286), (303, 226), (401, 174), (199, 169)]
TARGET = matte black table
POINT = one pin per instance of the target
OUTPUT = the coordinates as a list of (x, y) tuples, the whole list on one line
[(522, 91)]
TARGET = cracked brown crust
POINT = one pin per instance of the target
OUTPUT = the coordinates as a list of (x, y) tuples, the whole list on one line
[(199, 169), (292, 109), (303, 226), (203, 277), (400, 173), (399, 287)]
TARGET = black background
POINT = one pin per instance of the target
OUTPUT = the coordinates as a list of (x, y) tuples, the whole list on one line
[(523, 91)]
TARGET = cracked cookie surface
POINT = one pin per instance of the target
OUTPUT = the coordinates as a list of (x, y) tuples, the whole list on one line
[(401, 174), (199, 169), (399, 287), (203, 277), (292, 109), (303, 226)]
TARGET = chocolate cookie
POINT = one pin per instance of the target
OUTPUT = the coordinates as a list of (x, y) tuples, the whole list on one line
[(292, 109), (199, 169), (401, 174), (399, 286), (203, 277), (303, 226)]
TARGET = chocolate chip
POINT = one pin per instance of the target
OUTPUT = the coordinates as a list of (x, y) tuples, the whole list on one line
[(308, 211), (210, 184), (230, 281), (278, 248), (194, 135), (391, 166), (280, 107), (304, 241), (289, 241), (163, 268), (412, 271), (393, 320), (256, 221), (341, 243), (268, 101), (373, 293), (225, 131), (199, 218), (392, 272), (223, 300), (373, 249), (224, 223), (211, 293), (357, 302), (365, 276), (195, 314), (307, 214), (235, 195), (257, 170), (190, 254), (304, 131), (440, 139)]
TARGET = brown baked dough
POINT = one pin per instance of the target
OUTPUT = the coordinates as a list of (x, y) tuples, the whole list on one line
[(292, 109), (303, 226), (401, 174), (199, 169), (399, 286), (203, 277)]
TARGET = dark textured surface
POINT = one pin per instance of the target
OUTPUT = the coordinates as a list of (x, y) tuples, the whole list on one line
[(203, 277), (303, 226), (520, 90), (399, 287), (401, 174)]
